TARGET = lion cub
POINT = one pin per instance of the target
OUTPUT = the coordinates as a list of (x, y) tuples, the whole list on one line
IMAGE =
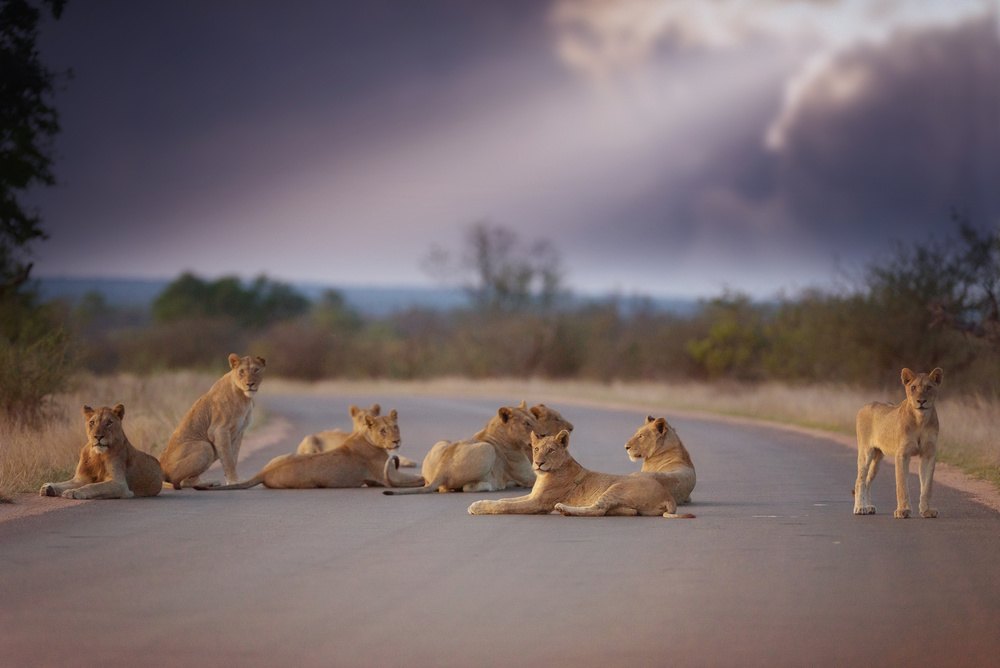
[(213, 427), (664, 457), (902, 431), (566, 486), (110, 467)]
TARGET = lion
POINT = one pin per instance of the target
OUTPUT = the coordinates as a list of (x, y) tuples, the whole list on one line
[(495, 458), (213, 427), (334, 438), (110, 467), (569, 488), (664, 457), (361, 460), (902, 431)]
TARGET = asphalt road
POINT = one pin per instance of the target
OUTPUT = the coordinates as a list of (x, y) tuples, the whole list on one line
[(775, 570)]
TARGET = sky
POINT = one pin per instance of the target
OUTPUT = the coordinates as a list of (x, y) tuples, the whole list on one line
[(664, 147)]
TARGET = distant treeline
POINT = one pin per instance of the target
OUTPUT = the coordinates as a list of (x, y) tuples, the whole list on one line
[(921, 306)]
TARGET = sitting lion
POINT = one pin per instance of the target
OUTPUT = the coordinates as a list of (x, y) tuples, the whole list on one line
[(566, 486), (902, 431), (663, 456), (495, 458), (334, 438), (110, 467), (213, 427), (361, 460)]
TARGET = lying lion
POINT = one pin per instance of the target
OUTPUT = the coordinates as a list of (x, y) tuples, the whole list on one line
[(359, 461), (334, 438), (566, 486), (213, 427), (495, 458), (110, 467), (902, 431), (663, 456)]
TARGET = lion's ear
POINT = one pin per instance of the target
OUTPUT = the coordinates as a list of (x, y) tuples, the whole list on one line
[(906, 375), (119, 410), (661, 425), (649, 418), (505, 414), (534, 439), (524, 405), (375, 409), (562, 438), (369, 420), (937, 375), (234, 360), (354, 410), (260, 361), (393, 415), (537, 411), (87, 411)]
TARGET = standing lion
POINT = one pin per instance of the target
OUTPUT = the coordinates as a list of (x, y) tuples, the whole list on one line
[(213, 427)]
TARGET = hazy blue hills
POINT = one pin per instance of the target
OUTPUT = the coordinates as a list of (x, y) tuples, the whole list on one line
[(368, 300)]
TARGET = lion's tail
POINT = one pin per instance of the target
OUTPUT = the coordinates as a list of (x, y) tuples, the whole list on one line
[(246, 484), (430, 488), (685, 516)]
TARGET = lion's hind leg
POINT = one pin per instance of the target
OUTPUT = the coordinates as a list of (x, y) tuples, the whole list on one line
[(184, 471)]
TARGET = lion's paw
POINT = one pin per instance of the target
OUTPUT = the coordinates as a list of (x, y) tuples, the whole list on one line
[(561, 509), (930, 512), (864, 510), (48, 489), (478, 508), (73, 494), (902, 514)]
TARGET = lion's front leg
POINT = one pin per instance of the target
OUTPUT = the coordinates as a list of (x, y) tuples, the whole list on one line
[(227, 457), (521, 505), (110, 489), (59, 488), (902, 492), (926, 482)]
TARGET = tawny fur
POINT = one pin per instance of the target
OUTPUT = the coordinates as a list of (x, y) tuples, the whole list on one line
[(110, 467), (569, 488), (664, 457), (901, 432), (497, 457), (213, 427), (361, 460), (334, 438)]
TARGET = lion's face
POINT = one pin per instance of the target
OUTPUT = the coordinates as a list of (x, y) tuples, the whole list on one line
[(383, 431), (549, 454), (648, 438), (104, 426), (520, 424), (248, 372), (550, 419), (921, 388)]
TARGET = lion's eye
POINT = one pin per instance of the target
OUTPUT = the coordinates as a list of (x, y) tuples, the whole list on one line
[(91, 423), (108, 423)]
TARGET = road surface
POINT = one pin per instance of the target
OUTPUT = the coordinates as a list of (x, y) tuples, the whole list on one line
[(775, 570)]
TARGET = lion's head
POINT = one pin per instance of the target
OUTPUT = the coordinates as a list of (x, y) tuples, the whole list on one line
[(104, 426), (247, 373), (513, 425), (550, 453), (358, 415), (383, 431), (655, 435), (550, 419), (921, 388)]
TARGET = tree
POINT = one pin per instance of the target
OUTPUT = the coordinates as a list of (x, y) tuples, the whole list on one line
[(28, 124), (262, 303), (500, 273)]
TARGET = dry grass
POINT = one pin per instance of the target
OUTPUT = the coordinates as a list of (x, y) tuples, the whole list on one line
[(970, 427), (31, 455)]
